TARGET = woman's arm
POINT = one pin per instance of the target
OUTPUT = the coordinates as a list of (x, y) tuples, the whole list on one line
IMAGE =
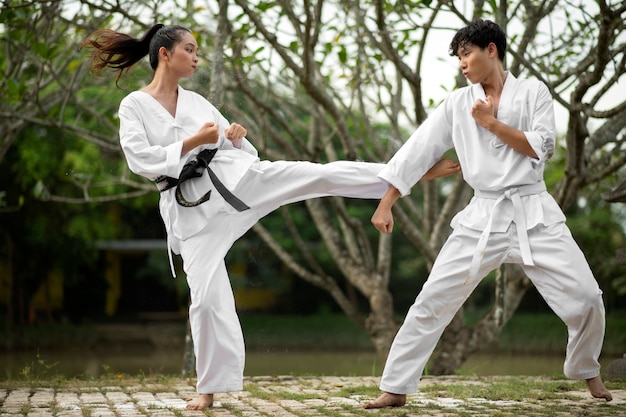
[(207, 134)]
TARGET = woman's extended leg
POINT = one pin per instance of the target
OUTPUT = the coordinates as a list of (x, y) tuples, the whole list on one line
[(273, 184)]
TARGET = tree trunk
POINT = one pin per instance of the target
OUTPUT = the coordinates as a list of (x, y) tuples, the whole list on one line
[(380, 324), (8, 343)]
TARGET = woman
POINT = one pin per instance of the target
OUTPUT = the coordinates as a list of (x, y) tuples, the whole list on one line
[(164, 131)]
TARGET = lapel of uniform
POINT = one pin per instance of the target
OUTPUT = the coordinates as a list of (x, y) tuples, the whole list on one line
[(184, 120), (506, 98)]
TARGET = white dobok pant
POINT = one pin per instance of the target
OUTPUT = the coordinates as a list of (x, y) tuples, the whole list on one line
[(560, 274), (217, 336)]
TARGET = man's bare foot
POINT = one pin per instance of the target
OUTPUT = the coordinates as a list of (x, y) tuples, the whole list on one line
[(597, 388), (203, 401), (387, 399)]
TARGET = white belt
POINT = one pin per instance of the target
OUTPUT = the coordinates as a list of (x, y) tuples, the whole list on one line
[(513, 194)]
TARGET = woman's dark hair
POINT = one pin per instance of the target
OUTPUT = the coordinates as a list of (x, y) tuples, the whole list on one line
[(120, 51), (480, 33)]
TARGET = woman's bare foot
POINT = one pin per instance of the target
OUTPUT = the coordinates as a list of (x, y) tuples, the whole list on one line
[(387, 399), (597, 388), (203, 401)]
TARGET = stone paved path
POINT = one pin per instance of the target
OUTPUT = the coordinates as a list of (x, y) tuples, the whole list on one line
[(300, 396)]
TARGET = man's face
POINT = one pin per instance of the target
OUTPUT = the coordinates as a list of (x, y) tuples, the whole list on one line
[(475, 63)]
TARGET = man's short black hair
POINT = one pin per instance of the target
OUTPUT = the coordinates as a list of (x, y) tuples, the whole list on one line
[(479, 33)]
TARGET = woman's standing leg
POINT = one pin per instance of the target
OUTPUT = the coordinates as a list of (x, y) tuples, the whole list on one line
[(217, 336)]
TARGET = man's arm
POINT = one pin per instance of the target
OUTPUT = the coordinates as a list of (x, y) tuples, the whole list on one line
[(483, 113), (382, 219)]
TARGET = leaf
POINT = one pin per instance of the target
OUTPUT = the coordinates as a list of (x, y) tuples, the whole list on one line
[(41, 49), (342, 55), (258, 50), (13, 87), (265, 5), (39, 190)]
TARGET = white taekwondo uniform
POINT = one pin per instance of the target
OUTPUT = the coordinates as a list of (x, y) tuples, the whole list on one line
[(152, 140), (510, 219)]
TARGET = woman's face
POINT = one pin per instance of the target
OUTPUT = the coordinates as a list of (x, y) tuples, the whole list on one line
[(183, 60)]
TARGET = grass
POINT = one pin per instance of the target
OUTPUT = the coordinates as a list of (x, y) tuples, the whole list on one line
[(507, 389), (525, 332), (531, 333), (321, 331)]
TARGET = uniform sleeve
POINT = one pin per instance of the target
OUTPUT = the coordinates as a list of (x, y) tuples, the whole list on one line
[(542, 134), (144, 159), (420, 152)]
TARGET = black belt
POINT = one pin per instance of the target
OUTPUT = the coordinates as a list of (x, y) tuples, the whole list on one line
[(190, 170)]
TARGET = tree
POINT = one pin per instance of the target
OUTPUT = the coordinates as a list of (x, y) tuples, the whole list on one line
[(351, 59), (58, 144), (331, 80)]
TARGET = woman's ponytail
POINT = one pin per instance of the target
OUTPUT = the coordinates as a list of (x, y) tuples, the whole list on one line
[(120, 51)]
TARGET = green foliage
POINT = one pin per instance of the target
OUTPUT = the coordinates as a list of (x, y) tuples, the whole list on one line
[(60, 144), (38, 370)]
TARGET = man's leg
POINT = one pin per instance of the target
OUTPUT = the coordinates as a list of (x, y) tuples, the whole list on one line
[(562, 276), (441, 297)]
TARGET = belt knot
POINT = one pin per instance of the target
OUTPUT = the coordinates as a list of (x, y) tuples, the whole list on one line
[(514, 194), (193, 169)]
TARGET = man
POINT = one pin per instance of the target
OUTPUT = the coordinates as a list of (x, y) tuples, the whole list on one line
[(503, 132)]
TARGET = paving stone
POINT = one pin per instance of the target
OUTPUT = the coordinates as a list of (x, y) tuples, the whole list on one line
[(70, 413), (92, 398), (42, 396), (222, 413), (38, 412), (125, 408), (143, 396), (17, 397), (293, 404), (162, 412), (117, 397), (66, 399)]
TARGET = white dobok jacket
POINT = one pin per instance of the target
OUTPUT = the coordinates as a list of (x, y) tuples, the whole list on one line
[(152, 141), (487, 163)]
